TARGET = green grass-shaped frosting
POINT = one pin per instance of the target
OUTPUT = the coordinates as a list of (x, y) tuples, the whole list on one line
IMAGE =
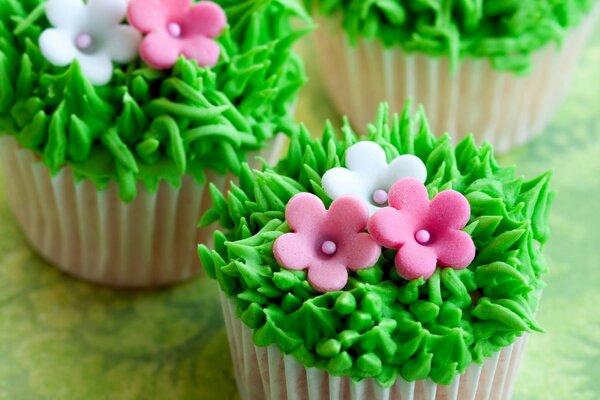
[(149, 125), (381, 325), (505, 31)]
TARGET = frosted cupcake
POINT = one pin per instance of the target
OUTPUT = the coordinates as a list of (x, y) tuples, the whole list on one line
[(116, 115), (392, 267), (496, 69)]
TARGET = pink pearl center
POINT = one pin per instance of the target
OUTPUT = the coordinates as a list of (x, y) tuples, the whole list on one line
[(174, 29), (328, 247), (380, 197), (83, 41), (423, 236)]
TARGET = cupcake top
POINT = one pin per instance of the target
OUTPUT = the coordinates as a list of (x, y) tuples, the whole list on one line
[(395, 255), (146, 91), (506, 32)]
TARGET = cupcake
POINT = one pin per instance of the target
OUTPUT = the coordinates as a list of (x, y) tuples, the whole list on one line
[(392, 266), (496, 69), (115, 116)]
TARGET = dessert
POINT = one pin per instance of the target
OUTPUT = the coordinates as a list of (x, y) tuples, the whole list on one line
[(495, 69), (115, 117), (391, 266)]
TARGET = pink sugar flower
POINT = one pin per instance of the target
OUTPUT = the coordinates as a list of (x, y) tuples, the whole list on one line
[(327, 243), (425, 233), (177, 27)]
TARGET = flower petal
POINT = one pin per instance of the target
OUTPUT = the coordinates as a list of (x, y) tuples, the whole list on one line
[(367, 159), (391, 228), (58, 47), (159, 50), (103, 14), (327, 276), (305, 212), (338, 182), (150, 15), (98, 68), (409, 195), (67, 14), (405, 166), (293, 251), (449, 209), (362, 252), (205, 51), (414, 261), (347, 215), (454, 249), (205, 18), (123, 44)]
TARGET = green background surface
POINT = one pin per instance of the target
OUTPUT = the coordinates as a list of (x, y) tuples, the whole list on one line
[(64, 339)]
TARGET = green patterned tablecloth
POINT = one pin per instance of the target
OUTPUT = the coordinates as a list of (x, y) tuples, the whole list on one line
[(63, 339)]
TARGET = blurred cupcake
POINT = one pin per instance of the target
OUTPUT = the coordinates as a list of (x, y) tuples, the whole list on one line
[(116, 115), (496, 69), (392, 267)]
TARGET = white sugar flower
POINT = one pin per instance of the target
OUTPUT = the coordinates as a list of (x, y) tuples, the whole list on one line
[(369, 177), (90, 33)]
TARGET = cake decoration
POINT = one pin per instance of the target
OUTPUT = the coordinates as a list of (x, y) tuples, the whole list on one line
[(146, 125), (368, 175), (413, 329), (177, 27), (327, 243), (91, 34), (424, 233)]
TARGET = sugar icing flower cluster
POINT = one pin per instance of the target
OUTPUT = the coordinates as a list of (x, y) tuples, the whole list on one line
[(160, 31), (375, 205)]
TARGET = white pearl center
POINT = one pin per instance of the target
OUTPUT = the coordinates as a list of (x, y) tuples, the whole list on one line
[(84, 41), (380, 197), (423, 236), (328, 247), (174, 29)]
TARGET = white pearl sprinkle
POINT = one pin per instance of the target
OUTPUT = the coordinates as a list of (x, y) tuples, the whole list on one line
[(328, 247), (174, 29), (423, 236)]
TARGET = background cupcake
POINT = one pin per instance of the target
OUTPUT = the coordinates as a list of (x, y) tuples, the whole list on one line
[(107, 155), (495, 69), (318, 308)]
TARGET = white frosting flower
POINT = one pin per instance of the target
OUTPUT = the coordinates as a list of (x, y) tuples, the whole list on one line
[(369, 177), (90, 33)]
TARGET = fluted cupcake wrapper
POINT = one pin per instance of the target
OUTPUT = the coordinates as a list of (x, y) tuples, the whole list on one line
[(97, 237), (498, 107), (266, 373)]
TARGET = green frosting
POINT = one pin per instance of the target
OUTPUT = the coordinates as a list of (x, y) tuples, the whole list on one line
[(150, 125), (505, 31), (381, 325)]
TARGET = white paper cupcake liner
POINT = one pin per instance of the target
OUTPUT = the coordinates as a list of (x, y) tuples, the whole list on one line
[(97, 237), (497, 107), (266, 373)]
